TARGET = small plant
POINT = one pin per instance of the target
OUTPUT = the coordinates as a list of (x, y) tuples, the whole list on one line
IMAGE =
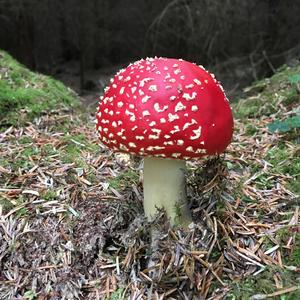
[(286, 125), (49, 195), (117, 295), (294, 78), (30, 295)]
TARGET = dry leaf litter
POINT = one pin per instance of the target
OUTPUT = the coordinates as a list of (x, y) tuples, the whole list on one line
[(90, 240)]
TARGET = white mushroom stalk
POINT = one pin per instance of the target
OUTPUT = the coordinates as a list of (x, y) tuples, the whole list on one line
[(165, 188)]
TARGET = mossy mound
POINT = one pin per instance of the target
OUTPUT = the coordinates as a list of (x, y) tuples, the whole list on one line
[(268, 96), (25, 95)]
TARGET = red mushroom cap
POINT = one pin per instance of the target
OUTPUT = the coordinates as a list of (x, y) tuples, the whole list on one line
[(167, 108)]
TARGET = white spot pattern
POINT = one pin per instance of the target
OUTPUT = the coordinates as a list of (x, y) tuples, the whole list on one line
[(175, 110)]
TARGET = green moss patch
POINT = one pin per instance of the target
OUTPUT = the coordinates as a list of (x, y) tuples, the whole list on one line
[(125, 179), (263, 286), (25, 95), (266, 97)]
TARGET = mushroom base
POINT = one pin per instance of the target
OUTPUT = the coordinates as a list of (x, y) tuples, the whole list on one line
[(165, 187)]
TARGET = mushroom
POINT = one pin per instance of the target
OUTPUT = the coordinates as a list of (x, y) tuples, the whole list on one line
[(168, 111)]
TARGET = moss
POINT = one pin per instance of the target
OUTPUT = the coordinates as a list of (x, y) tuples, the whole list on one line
[(294, 185), (117, 295), (282, 159), (20, 162), (28, 152), (22, 212), (264, 97), (290, 257), (49, 195), (250, 129), (70, 155), (71, 151), (4, 162), (30, 295), (252, 108), (285, 161), (91, 177), (290, 96), (5, 204), (25, 140), (48, 150), (74, 142), (125, 179), (295, 255), (25, 95), (94, 148), (264, 284)]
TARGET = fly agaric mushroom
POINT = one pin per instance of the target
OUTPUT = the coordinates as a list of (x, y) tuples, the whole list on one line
[(167, 111)]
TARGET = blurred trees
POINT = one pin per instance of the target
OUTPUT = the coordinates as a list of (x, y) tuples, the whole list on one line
[(237, 39), (257, 35)]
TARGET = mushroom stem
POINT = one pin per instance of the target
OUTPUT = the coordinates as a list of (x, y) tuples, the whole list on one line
[(165, 187)]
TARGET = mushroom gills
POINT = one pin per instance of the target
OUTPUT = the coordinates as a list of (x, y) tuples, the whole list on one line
[(165, 187)]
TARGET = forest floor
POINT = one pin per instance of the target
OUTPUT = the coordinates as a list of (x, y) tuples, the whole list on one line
[(71, 216)]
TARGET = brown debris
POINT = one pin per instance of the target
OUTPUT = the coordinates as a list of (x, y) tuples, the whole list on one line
[(89, 239)]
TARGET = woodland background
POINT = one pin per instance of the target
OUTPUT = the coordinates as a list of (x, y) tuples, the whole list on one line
[(239, 40)]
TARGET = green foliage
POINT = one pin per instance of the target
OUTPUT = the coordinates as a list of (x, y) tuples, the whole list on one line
[(265, 98), (21, 162), (286, 125), (72, 140), (48, 150), (25, 95)]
